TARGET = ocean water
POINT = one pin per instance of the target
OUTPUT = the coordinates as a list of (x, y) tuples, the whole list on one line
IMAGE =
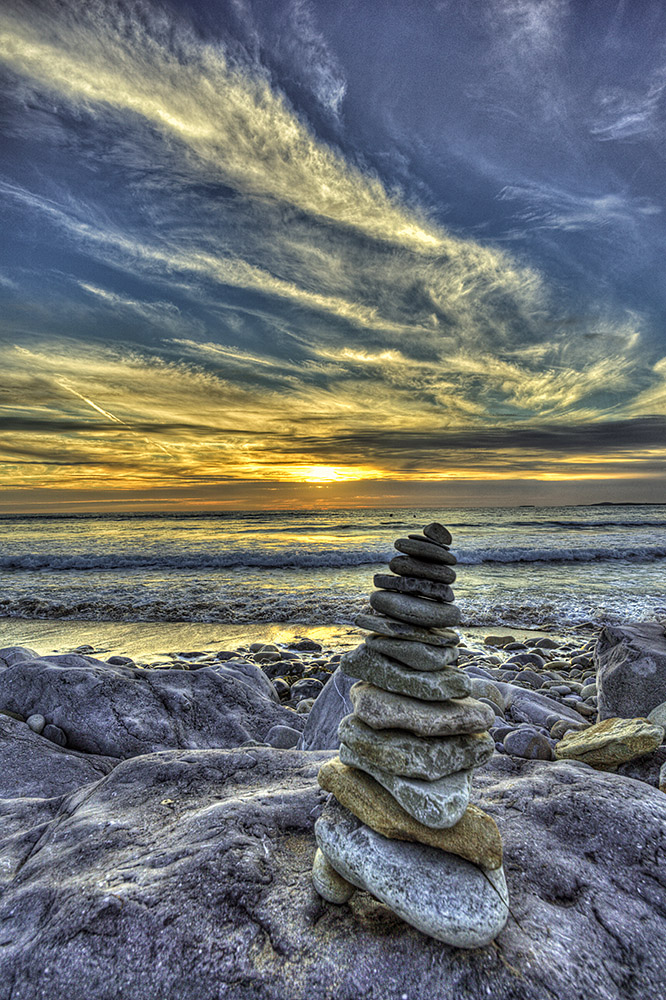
[(525, 567)]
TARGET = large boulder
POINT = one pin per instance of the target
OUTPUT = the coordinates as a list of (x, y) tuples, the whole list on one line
[(186, 875), (122, 710), (631, 670), (33, 767), (330, 707)]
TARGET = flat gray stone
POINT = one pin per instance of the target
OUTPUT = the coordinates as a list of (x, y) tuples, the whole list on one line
[(439, 893), (385, 710), (401, 752), (631, 670), (410, 566), (434, 685), (416, 655), (438, 804), (425, 550), (436, 532), (412, 585), (408, 633), (414, 610)]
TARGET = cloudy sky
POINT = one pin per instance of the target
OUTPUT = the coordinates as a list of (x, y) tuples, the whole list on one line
[(284, 252)]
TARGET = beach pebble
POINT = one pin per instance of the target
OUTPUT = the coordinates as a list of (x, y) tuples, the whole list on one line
[(545, 642), (527, 660), (528, 744), (499, 712), (409, 566), (306, 646), (281, 686), (439, 893), (438, 685), (662, 778), (305, 705), (500, 732), (268, 656), (558, 729), (656, 716), (611, 742), (414, 654), (498, 640), (330, 886), (482, 688), (308, 687), (425, 549), (438, 533), (414, 585), (36, 723), (282, 737), (120, 661), (55, 734), (475, 837)]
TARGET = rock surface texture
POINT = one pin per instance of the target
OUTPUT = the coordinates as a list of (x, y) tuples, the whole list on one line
[(399, 823), (187, 875)]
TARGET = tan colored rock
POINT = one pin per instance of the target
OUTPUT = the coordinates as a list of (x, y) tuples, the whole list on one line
[(330, 885), (475, 837), (610, 743)]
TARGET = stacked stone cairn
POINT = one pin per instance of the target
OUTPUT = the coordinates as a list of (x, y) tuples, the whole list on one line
[(398, 823)]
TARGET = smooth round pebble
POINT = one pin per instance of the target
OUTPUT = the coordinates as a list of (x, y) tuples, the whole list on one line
[(530, 745), (36, 723), (55, 734), (330, 886), (495, 707), (308, 687), (281, 686), (558, 730)]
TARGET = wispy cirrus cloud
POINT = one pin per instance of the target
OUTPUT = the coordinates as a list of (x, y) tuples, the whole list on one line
[(286, 309)]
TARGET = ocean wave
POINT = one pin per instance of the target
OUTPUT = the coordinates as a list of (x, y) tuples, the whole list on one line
[(312, 609), (584, 525), (317, 558), (589, 554), (521, 610), (231, 559)]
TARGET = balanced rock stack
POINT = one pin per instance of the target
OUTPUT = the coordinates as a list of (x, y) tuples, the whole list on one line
[(399, 823)]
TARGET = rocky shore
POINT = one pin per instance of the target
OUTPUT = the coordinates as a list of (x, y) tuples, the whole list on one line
[(157, 833)]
